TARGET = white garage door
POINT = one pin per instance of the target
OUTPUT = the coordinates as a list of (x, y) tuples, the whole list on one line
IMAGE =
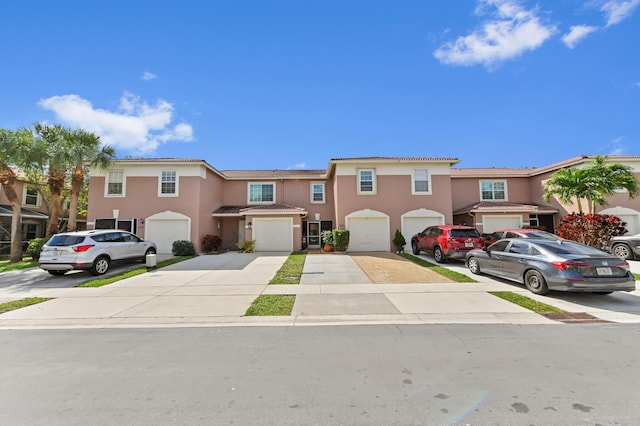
[(495, 223), (164, 230), (368, 234), (273, 234), (412, 225)]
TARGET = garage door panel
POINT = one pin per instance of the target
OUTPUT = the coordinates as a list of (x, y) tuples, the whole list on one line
[(495, 223), (273, 234), (369, 234), (165, 232)]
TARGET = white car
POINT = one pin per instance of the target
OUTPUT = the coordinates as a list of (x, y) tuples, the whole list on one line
[(92, 250)]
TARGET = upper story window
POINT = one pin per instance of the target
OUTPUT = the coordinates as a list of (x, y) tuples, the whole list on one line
[(262, 193), (317, 192), (168, 183), (420, 181), (366, 181), (31, 197), (493, 190), (115, 182)]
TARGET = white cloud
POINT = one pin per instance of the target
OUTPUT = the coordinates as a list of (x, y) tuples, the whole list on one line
[(135, 127), (618, 10), (576, 34), (299, 166), (615, 147), (512, 31), (148, 76)]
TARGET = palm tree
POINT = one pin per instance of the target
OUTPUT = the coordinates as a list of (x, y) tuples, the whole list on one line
[(593, 183), (609, 178), (56, 162), (85, 148), (16, 149)]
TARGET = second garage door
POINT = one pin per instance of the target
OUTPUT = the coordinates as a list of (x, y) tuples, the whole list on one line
[(273, 234), (165, 228)]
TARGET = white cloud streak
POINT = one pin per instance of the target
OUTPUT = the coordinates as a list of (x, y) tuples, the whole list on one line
[(618, 10), (576, 34), (135, 127), (512, 31), (148, 76)]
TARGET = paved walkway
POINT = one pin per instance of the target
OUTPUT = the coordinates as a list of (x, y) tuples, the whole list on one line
[(216, 290)]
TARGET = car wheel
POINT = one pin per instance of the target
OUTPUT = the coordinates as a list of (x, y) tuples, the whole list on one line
[(100, 266), (146, 253), (536, 283), (473, 265), (414, 248), (438, 255), (56, 273), (622, 251)]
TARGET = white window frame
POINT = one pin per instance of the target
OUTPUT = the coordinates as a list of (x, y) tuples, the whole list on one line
[(493, 191), (108, 180), (38, 197), (374, 188), (249, 184), (161, 181), (312, 187), (414, 191)]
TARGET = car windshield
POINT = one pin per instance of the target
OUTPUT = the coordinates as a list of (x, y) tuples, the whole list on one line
[(464, 233), (65, 240), (569, 247)]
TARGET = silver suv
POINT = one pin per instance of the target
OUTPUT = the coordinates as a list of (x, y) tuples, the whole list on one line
[(92, 250)]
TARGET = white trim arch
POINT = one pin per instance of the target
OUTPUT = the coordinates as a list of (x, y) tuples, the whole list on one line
[(166, 227), (418, 220), (368, 230)]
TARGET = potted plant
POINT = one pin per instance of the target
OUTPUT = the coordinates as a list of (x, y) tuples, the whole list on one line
[(328, 240)]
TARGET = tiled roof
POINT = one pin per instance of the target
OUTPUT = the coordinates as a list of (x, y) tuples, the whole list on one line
[(493, 171), (398, 159), (258, 209), (273, 174), (503, 206), (7, 210)]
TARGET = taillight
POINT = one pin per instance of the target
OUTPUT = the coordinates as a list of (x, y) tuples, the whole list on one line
[(624, 265), (82, 248), (570, 266)]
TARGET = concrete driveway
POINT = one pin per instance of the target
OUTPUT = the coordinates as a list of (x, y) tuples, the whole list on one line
[(334, 289)]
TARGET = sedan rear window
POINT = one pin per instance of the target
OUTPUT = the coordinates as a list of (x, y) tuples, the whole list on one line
[(568, 247), (65, 240), (464, 233)]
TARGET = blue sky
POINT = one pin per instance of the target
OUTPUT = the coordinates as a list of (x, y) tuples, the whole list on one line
[(255, 84)]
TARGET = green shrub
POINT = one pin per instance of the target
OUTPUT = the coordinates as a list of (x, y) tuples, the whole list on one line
[(247, 246), (183, 248), (341, 238), (399, 242), (35, 247)]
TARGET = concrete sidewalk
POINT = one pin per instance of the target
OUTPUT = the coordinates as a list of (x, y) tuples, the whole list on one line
[(216, 290)]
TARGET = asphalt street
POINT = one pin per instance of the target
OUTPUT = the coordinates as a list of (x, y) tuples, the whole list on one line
[(343, 375)]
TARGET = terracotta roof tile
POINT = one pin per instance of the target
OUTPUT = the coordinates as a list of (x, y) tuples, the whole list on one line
[(492, 206), (274, 174)]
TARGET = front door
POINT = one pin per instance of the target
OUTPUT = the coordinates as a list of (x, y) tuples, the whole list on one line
[(313, 234)]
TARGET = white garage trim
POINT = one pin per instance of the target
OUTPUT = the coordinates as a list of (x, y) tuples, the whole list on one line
[(630, 216), (492, 223), (273, 234), (165, 228), (415, 221), (368, 231)]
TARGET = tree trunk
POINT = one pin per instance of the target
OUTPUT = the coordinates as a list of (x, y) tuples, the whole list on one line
[(77, 178), (8, 181), (56, 182)]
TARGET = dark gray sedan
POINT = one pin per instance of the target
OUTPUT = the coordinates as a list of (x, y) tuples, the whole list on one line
[(544, 265)]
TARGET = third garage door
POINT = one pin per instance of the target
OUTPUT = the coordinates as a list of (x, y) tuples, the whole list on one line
[(273, 234)]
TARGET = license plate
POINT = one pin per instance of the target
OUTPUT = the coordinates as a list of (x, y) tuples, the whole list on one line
[(604, 271), (468, 244), (56, 252)]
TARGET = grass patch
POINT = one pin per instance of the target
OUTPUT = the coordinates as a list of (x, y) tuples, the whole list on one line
[(445, 272), (291, 270), (17, 304), (27, 262), (637, 276), (271, 305), (99, 282), (525, 302)]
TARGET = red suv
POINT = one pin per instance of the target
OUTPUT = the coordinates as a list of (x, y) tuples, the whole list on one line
[(447, 241)]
